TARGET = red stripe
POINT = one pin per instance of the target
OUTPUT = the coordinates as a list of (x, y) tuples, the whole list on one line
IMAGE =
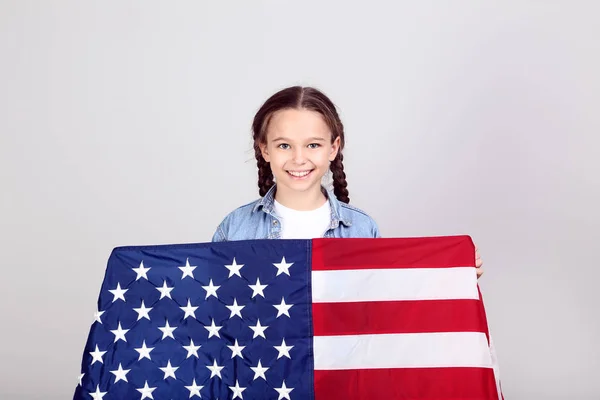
[(430, 252), (398, 317), (407, 384)]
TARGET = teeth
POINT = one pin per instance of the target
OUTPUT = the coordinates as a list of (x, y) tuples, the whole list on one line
[(299, 174)]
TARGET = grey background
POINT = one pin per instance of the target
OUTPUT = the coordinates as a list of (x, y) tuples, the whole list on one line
[(128, 123)]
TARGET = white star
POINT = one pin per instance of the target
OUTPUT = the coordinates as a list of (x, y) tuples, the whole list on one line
[(120, 333), (97, 395), (188, 270), (169, 370), (236, 349), (189, 310), (80, 378), (258, 330), (118, 293), (283, 308), (284, 392), (97, 316), (283, 267), (234, 269), (211, 290), (97, 355), (213, 330), (258, 288), (141, 271), (191, 349), (215, 370), (259, 371), (167, 330), (237, 390), (146, 391), (120, 374), (235, 309), (165, 291), (144, 351), (143, 311), (194, 389), (283, 350)]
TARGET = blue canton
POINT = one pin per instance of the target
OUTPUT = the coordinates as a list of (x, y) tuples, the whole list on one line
[(211, 320)]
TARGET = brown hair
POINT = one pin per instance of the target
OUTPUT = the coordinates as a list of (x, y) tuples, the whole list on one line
[(307, 98)]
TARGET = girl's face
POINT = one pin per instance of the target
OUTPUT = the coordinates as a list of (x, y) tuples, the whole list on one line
[(299, 149)]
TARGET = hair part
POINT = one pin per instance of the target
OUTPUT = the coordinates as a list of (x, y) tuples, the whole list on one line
[(299, 97)]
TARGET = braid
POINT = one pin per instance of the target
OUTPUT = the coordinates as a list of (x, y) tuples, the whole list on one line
[(339, 179), (265, 175)]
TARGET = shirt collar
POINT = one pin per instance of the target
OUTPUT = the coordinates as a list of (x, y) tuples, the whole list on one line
[(338, 214)]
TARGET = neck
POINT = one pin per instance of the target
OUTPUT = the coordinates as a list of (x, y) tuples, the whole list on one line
[(300, 201)]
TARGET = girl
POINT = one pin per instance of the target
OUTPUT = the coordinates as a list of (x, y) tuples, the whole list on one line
[(298, 139)]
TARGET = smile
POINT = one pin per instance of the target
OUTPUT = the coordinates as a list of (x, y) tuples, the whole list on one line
[(299, 174)]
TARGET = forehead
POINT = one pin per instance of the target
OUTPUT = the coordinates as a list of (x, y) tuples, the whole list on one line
[(297, 124)]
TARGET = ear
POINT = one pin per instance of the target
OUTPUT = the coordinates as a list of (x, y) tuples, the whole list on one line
[(264, 152), (335, 148)]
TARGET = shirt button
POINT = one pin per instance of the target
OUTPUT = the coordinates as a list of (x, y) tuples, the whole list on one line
[(274, 222)]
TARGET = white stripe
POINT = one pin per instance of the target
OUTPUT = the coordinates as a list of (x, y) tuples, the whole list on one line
[(394, 284), (495, 366), (409, 350)]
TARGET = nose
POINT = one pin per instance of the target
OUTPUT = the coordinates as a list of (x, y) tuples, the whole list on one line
[(299, 156)]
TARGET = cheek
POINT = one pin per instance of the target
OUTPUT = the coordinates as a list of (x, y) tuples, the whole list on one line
[(277, 158), (325, 155)]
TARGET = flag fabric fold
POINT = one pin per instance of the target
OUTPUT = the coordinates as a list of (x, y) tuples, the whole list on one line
[(393, 318)]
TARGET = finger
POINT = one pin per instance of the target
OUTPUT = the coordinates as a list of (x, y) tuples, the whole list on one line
[(478, 261), (479, 272)]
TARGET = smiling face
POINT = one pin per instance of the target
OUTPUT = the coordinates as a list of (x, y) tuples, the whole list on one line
[(299, 149)]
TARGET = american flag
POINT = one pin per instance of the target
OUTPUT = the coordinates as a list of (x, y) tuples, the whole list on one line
[(393, 318)]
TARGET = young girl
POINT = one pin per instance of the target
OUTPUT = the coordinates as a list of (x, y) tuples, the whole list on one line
[(298, 139)]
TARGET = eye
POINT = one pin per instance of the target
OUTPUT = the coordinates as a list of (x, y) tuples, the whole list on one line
[(314, 145), (284, 146)]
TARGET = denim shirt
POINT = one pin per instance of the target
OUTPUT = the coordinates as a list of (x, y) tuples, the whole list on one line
[(258, 220)]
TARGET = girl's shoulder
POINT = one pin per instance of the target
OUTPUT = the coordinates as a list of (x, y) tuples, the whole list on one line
[(240, 221), (358, 221), (354, 210)]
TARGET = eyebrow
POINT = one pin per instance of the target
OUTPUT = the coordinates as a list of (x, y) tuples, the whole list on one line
[(281, 138)]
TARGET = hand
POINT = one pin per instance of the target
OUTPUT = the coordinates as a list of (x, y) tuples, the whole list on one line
[(478, 263)]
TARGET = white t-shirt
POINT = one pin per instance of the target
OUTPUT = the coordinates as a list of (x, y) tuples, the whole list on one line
[(303, 224)]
